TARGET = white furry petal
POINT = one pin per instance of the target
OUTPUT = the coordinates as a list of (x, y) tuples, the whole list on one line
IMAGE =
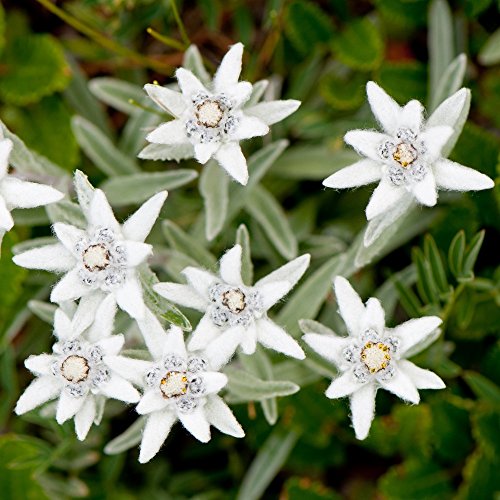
[(152, 401), (232, 160), (172, 132), (199, 279), (188, 83), (329, 347), (84, 418), (386, 110), (384, 197), (248, 127), (423, 379), (196, 423), (230, 266), (221, 417), (183, 295), (425, 191), (358, 174), (363, 409), (121, 389), (344, 385), (271, 335), (415, 331), (220, 350), (133, 370), (70, 287), (169, 100), (214, 381), (100, 212), (153, 333), (456, 177), (204, 333), (402, 386), (40, 391), (23, 194), (273, 111), (129, 297), (54, 258), (155, 432), (229, 70), (366, 142), (68, 406), (351, 307)]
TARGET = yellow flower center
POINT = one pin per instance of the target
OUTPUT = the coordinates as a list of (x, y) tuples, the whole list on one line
[(375, 356), (405, 154), (234, 300), (209, 114), (174, 384), (75, 369), (96, 258)]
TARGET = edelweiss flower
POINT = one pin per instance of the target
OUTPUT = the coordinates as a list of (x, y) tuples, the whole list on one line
[(210, 122), (407, 157), (373, 356), (15, 193), (236, 314), (179, 385), (101, 259), (77, 374)]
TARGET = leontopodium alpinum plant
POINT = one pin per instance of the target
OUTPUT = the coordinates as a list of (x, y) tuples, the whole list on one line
[(104, 264), (407, 157), (373, 356), (210, 121)]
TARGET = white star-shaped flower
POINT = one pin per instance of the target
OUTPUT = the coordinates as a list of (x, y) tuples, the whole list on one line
[(15, 193), (100, 260), (211, 121), (407, 156), (76, 373), (373, 356), (179, 385), (236, 314)]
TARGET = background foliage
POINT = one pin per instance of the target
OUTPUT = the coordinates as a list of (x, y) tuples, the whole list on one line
[(70, 88)]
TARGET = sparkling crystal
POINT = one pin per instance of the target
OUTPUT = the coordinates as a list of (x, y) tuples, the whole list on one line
[(397, 175), (406, 135), (100, 376), (393, 343), (55, 368), (186, 404), (219, 316), (384, 150), (173, 362), (105, 235), (152, 376), (71, 346), (361, 374), (196, 365), (115, 277), (75, 368), (95, 354), (76, 390), (174, 384), (387, 373), (86, 277), (349, 355), (418, 172)]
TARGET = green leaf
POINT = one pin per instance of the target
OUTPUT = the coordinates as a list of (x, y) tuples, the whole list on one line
[(34, 67), (409, 300), (137, 188), (343, 94), (214, 188), (470, 256), (243, 387), (264, 208), (306, 25), (243, 239), (450, 81), (312, 162), (43, 310), (133, 136), (490, 52), (441, 44), (187, 244), (68, 212), (359, 45), (127, 439), (482, 387), (425, 280), (84, 189), (118, 93), (404, 80), (98, 147), (2, 28), (436, 263), (299, 489), (456, 254), (269, 460)]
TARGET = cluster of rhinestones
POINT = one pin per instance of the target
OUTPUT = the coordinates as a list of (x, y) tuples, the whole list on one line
[(212, 118), (372, 357), (179, 380), (233, 306), (403, 157), (80, 368), (103, 259)]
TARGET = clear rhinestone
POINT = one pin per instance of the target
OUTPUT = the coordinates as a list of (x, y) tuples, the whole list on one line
[(418, 172), (397, 175), (349, 354), (406, 135), (219, 316), (86, 277), (101, 376), (95, 354), (55, 368), (76, 390), (361, 374), (393, 343), (105, 235), (115, 277), (71, 346), (186, 404), (385, 149), (230, 124), (196, 365), (387, 373), (196, 386), (152, 376), (173, 362), (370, 335)]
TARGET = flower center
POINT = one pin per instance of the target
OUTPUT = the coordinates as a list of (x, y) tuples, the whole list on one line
[(234, 300), (174, 384), (209, 114), (75, 368), (404, 154), (96, 258), (375, 356)]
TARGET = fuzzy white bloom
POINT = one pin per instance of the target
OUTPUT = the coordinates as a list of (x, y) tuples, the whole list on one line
[(100, 260), (236, 314), (373, 356), (407, 157), (179, 385), (211, 121), (15, 193), (77, 374)]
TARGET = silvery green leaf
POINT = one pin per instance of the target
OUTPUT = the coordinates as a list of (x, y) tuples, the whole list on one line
[(128, 439), (98, 147), (243, 387), (194, 62), (25, 245), (166, 152), (172, 262), (450, 81), (268, 462), (185, 243), (490, 51), (136, 128), (440, 42), (68, 212), (43, 310), (264, 208), (257, 92), (243, 239), (314, 162), (296, 372), (118, 93), (311, 326), (31, 217), (137, 188), (214, 186)]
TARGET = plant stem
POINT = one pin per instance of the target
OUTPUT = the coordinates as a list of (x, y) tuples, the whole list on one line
[(104, 41), (180, 24), (166, 40)]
